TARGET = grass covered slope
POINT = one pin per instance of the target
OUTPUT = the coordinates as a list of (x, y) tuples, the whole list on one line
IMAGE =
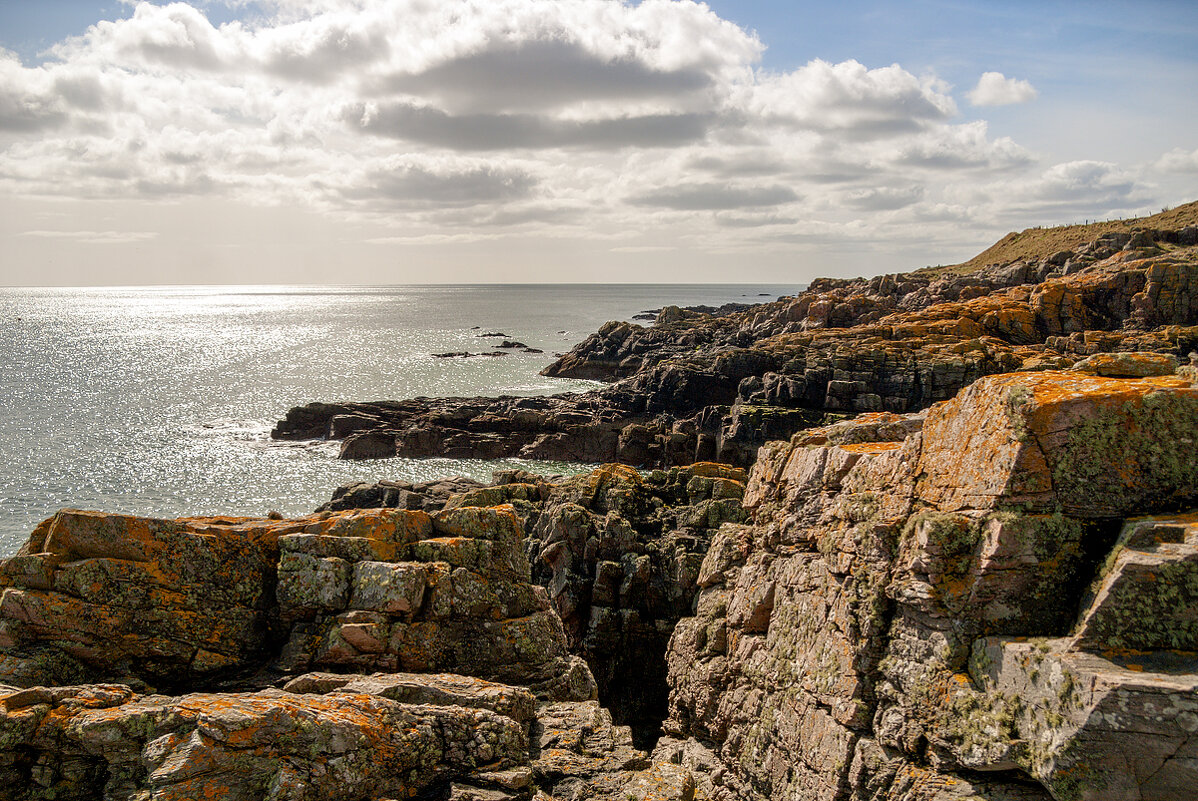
[(1037, 243)]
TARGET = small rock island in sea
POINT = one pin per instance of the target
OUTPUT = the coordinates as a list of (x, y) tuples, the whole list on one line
[(926, 537)]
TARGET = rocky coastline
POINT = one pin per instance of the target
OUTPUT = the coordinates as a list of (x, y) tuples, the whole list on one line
[(930, 537), (696, 386)]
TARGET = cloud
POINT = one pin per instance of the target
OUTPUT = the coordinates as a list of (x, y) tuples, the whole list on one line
[(1178, 160), (431, 239), (995, 89), (419, 186), (433, 126), (731, 220), (715, 196), (589, 118), (884, 199), (95, 237), (952, 147), (540, 75), (1074, 180), (28, 103), (852, 99)]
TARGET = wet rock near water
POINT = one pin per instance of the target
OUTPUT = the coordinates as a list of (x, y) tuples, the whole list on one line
[(698, 386)]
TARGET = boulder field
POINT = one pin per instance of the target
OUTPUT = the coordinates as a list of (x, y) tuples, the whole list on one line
[(696, 386), (994, 599)]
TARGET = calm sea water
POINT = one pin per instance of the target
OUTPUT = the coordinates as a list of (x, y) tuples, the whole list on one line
[(159, 401)]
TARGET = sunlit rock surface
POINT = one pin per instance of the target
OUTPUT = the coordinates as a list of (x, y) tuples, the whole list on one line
[(994, 599), (957, 614)]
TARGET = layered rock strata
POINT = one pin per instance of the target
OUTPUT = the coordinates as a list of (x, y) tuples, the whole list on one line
[(695, 387), (977, 610), (171, 659), (618, 554)]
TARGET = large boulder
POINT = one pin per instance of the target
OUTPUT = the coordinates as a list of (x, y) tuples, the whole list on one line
[(118, 597)]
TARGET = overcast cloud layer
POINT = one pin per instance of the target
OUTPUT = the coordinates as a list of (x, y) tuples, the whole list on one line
[(434, 124)]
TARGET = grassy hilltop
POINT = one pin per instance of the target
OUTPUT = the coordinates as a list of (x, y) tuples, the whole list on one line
[(1036, 243)]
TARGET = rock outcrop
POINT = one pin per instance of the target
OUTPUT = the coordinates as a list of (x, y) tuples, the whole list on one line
[(977, 610), (172, 659), (969, 576), (993, 599), (697, 387), (618, 554)]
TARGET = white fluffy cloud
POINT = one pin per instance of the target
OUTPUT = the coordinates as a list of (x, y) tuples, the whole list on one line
[(996, 89), (587, 118), (1178, 161)]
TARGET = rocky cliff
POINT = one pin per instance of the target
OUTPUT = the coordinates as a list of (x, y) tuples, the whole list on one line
[(999, 605), (695, 387), (353, 655), (954, 572), (992, 600)]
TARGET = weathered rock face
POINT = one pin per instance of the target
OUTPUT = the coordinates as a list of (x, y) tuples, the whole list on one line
[(618, 554), (915, 619), (323, 736), (181, 602), (119, 597), (102, 741), (696, 387), (403, 590), (96, 597)]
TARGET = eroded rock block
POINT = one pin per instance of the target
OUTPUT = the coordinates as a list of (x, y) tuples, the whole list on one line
[(829, 655)]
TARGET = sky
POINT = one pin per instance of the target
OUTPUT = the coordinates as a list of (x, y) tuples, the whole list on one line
[(476, 141)]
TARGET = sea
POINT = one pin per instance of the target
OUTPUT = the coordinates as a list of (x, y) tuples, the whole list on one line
[(159, 401)]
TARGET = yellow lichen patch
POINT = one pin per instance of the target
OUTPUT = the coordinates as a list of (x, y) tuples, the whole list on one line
[(718, 470), (872, 447)]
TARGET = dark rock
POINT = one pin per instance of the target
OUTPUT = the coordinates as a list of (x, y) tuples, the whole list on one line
[(892, 343), (371, 444)]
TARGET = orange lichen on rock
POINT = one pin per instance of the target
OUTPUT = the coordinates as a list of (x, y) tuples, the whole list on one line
[(872, 447), (1041, 439)]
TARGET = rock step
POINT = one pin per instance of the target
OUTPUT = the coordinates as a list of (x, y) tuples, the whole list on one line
[(1147, 595)]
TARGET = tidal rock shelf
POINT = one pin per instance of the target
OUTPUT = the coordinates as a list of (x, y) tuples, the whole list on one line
[(989, 601), (701, 387)]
